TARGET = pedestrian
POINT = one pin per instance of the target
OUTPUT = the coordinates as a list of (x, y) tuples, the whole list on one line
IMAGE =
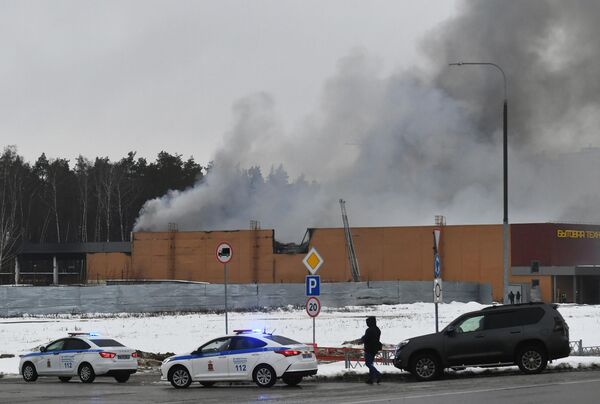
[(511, 297), (518, 296), (372, 345)]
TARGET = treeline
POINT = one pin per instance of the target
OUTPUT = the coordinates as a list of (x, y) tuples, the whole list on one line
[(55, 200)]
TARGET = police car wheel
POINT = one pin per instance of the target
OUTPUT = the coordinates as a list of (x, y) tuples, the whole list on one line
[(291, 380), (179, 377), (122, 378), (264, 376), (29, 373), (207, 384), (64, 379), (86, 373)]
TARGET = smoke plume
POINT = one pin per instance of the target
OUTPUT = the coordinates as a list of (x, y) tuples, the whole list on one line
[(404, 147)]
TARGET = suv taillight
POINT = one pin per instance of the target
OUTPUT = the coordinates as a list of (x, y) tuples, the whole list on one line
[(135, 355), (107, 355), (560, 325), (288, 352)]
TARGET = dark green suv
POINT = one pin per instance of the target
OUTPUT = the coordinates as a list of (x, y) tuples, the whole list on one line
[(527, 335)]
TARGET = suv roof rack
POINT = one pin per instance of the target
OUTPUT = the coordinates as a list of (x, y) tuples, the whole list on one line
[(507, 306)]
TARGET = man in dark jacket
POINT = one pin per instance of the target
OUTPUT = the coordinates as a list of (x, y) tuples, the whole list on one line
[(372, 346)]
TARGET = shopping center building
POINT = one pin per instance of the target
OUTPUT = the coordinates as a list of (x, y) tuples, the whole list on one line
[(552, 262)]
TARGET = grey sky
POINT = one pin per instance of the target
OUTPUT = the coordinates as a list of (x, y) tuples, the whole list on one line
[(403, 138), (101, 78)]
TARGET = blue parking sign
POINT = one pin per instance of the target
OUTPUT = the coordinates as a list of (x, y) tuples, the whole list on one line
[(313, 285)]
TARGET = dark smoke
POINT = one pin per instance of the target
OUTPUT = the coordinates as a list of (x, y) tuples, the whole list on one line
[(403, 148)]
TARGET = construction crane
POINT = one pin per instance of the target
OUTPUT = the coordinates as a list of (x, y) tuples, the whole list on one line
[(350, 245)]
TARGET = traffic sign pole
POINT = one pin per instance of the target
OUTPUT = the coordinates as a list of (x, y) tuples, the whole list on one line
[(224, 254), (313, 261), (226, 327), (313, 308)]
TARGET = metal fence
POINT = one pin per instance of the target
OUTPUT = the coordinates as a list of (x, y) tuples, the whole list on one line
[(577, 349), (180, 296), (354, 357)]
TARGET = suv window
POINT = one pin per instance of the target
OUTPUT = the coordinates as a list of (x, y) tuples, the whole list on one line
[(501, 319), (529, 316), (238, 343), (470, 324), (75, 343)]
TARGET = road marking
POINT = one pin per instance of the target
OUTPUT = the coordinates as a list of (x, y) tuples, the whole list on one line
[(455, 393)]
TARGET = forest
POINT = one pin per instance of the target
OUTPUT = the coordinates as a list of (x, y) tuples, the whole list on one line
[(59, 201)]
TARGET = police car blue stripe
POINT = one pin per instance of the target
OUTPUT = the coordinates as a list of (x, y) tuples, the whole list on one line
[(226, 353), (60, 352)]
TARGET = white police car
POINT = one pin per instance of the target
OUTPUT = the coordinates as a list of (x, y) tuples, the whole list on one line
[(248, 355), (86, 355)]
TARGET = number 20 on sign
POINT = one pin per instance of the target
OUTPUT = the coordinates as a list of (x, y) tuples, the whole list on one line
[(313, 306)]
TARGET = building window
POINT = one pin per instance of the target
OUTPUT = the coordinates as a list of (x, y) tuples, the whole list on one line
[(535, 283), (535, 267)]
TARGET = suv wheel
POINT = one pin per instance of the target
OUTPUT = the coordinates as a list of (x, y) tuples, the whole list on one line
[(425, 366), (532, 359)]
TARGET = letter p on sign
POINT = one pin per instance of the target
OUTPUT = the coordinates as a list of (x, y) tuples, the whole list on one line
[(313, 285)]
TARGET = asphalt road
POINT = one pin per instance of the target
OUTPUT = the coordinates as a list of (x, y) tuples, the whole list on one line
[(572, 387)]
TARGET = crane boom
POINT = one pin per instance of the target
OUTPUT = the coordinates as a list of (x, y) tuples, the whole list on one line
[(350, 244)]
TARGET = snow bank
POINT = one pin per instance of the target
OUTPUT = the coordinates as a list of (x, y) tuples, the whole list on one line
[(185, 332)]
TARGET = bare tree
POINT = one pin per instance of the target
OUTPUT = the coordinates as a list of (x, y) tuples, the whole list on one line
[(10, 230), (82, 172)]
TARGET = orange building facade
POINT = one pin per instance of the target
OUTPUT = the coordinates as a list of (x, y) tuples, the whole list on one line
[(549, 262), (468, 253)]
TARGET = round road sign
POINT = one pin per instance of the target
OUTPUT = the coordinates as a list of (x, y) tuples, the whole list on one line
[(224, 253), (313, 306)]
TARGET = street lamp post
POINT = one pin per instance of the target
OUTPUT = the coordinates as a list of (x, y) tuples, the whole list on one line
[(505, 235)]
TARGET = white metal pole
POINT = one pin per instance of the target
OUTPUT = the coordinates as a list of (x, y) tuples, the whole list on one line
[(314, 333), (54, 271), (226, 325), (16, 271)]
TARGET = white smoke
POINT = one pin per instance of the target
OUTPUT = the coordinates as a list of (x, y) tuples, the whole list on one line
[(403, 148)]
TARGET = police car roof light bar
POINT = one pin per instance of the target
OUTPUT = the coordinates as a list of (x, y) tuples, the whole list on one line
[(90, 334), (247, 331)]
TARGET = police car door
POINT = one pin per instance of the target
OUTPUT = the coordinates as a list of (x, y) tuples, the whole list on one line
[(72, 354), (244, 353), (49, 363), (211, 363)]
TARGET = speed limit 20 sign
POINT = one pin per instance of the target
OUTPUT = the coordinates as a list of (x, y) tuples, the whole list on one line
[(313, 306)]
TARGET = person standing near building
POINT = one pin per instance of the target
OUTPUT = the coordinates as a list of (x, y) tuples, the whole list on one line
[(372, 345), (518, 296), (511, 297)]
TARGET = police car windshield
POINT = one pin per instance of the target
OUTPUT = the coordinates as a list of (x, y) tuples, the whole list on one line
[(106, 342), (281, 340)]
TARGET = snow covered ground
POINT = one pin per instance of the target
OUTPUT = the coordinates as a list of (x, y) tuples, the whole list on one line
[(185, 332)]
